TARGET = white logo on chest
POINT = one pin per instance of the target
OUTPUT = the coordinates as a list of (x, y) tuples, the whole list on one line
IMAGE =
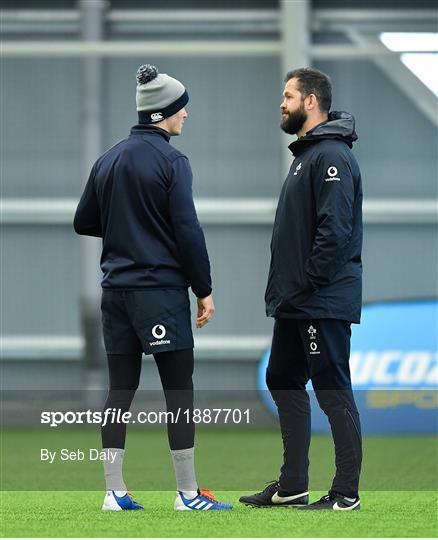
[(297, 169)]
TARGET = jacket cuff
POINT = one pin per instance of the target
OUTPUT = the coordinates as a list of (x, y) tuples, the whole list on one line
[(202, 293)]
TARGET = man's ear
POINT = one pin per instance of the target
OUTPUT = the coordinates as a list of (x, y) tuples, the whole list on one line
[(311, 102)]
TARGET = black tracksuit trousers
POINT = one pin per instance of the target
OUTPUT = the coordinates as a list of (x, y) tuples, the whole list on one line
[(316, 349)]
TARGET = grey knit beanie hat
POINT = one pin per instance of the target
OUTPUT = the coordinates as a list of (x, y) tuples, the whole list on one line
[(158, 95)]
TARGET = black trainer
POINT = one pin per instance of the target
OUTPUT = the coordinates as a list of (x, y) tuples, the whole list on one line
[(334, 501), (272, 495)]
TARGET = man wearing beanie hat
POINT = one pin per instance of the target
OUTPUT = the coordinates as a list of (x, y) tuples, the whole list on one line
[(159, 96), (139, 200)]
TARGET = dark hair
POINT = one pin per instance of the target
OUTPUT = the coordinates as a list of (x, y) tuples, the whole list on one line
[(312, 81)]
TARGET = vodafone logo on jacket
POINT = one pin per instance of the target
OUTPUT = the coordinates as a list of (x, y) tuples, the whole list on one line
[(332, 172)]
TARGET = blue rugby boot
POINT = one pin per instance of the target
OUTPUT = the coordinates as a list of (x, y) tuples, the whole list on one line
[(205, 500), (117, 503)]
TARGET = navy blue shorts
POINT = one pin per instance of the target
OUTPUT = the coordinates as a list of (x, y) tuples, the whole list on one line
[(149, 321)]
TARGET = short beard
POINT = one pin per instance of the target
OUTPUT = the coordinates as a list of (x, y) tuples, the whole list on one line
[(294, 121)]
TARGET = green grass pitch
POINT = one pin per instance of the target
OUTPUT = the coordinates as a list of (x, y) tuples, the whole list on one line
[(77, 514), (398, 490)]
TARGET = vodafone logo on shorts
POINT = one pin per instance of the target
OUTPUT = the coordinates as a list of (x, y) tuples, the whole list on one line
[(159, 332)]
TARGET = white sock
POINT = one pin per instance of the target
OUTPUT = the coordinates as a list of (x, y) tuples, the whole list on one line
[(190, 494), (113, 471), (184, 465)]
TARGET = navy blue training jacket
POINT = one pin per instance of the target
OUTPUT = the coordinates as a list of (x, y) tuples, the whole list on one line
[(139, 200), (316, 265)]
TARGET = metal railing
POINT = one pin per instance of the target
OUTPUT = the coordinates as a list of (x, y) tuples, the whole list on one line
[(190, 21), (71, 348), (222, 211)]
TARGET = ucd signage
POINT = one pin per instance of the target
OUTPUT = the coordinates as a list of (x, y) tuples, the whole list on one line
[(394, 369)]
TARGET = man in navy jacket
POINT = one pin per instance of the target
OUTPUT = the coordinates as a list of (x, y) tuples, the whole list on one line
[(314, 292), (139, 200)]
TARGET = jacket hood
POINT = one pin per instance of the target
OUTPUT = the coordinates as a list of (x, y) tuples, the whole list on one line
[(340, 125)]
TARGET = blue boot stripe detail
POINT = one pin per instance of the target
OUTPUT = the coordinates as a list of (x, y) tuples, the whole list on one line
[(126, 503), (203, 503)]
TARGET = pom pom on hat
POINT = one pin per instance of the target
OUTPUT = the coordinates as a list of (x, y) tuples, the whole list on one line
[(146, 73)]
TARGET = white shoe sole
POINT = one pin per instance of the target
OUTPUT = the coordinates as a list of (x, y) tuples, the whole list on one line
[(355, 506), (110, 505), (181, 508)]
